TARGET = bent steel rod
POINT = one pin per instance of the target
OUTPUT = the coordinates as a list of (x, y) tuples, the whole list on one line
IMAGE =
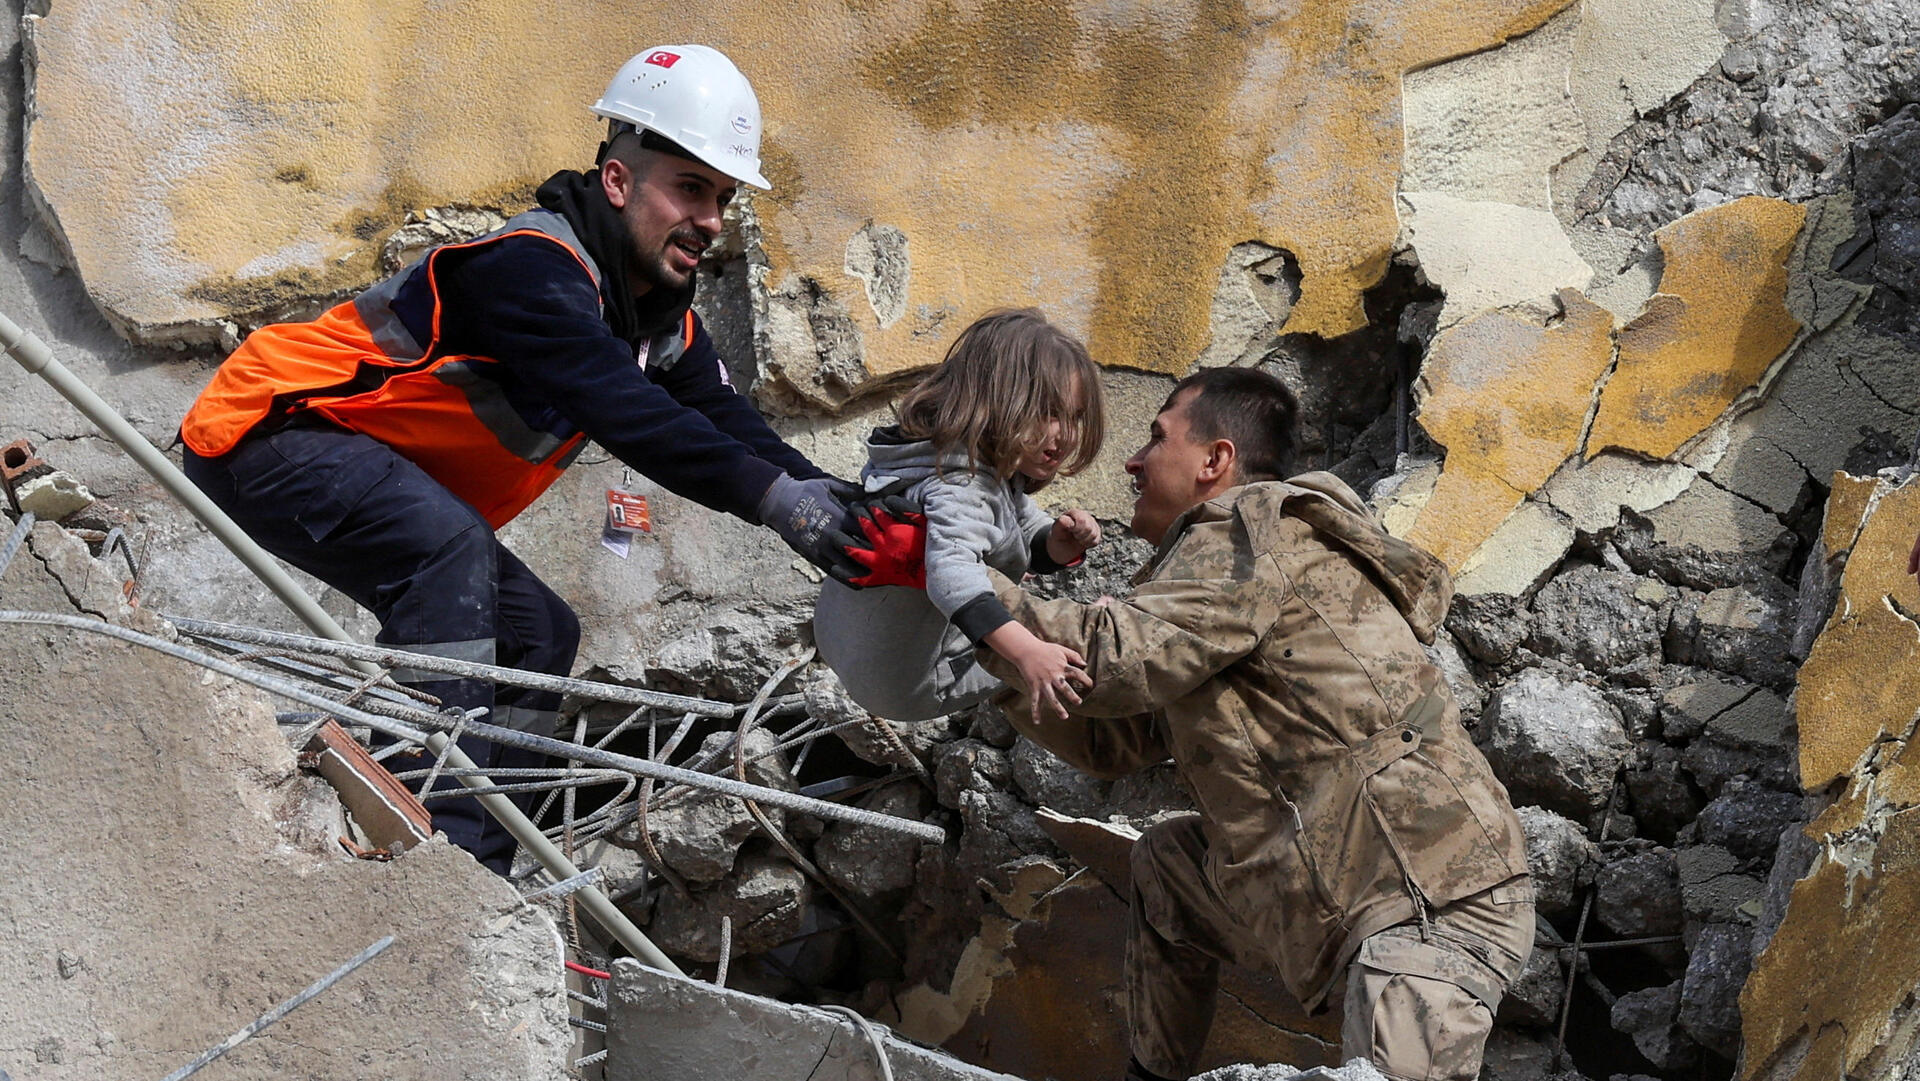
[(389, 657), (34, 355)]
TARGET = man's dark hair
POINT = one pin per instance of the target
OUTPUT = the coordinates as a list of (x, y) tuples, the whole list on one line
[(1254, 410)]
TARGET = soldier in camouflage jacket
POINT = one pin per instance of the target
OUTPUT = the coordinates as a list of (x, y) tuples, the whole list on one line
[(1350, 835)]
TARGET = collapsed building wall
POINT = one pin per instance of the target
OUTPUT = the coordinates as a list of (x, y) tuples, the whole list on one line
[(1648, 262), (171, 875)]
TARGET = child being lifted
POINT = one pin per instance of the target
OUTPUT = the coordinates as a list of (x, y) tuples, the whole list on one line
[(1015, 403)]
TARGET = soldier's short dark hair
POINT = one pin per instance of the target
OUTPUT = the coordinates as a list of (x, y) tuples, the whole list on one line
[(1256, 411)]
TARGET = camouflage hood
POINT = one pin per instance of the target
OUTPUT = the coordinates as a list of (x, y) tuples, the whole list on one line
[(1415, 580)]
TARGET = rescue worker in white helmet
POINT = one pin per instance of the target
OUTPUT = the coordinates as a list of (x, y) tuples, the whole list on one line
[(380, 445)]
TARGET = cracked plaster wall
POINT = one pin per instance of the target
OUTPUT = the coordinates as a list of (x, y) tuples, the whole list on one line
[(170, 875)]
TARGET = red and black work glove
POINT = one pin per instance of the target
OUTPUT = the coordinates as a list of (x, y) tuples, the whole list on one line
[(895, 531)]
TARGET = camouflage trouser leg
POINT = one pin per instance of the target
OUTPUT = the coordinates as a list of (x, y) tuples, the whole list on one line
[(1420, 1008), (1180, 932)]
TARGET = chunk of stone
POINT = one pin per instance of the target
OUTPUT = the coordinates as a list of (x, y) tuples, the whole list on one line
[(666, 1026), (1743, 630), (766, 901), (875, 865), (1639, 895), (1708, 538), (1650, 1018), (1751, 738), (1659, 791), (699, 834), (1712, 887), (1561, 857), (1639, 709), (729, 652), (1048, 781), (1686, 709), (1555, 743), (1594, 617), (1746, 819), (974, 779), (1533, 1000), (873, 739), (1489, 626), (53, 495), (1447, 655), (1710, 992), (1521, 1055)]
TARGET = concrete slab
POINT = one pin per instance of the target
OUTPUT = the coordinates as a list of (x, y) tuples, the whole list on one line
[(169, 874), (1485, 254), (662, 1026)]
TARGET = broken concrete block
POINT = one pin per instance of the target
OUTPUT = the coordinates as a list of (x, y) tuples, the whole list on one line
[(200, 880), (1495, 124), (1712, 889), (1638, 895), (1561, 857), (1520, 554), (1746, 819), (666, 1026), (1490, 626), (52, 496), (1659, 792), (1554, 743), (1048, 781), (1486, 255), (1717, 968), (1718, 322), (875, 866), (1446, 654), (766, 900), (699, 833), (1742, 630), (1650, 1018), (1533, 1000), (1595, 618), (1707, 538), (1861, 679), (1686, 709)]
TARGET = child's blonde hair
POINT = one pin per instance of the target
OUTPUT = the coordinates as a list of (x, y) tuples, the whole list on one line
[(1003, 378)]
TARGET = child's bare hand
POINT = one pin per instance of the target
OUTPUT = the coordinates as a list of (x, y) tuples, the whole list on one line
[(1054, 675), (1073, 533)]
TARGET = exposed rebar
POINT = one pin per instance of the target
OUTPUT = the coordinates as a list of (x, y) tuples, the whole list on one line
[(397, 658), (791, 801), (280, 1011), (19, 535)]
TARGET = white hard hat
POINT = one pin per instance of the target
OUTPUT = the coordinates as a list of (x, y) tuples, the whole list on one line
[(694, 96)]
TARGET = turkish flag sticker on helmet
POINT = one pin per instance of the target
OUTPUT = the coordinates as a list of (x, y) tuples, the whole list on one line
[(663, 58)]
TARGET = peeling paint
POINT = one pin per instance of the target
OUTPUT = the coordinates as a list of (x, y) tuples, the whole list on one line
[(1718, 323), (1508, 399)]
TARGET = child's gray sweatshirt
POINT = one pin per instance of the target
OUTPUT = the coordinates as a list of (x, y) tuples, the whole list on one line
[(906, 654)]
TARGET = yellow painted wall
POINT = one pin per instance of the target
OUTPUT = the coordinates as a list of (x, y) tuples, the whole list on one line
[(1096, 158)]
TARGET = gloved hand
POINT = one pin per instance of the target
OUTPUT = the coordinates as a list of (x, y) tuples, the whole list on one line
[(895, 530), (812, 517)]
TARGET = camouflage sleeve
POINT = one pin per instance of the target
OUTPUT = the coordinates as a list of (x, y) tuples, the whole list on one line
[(1105, 747), (1157, 644)]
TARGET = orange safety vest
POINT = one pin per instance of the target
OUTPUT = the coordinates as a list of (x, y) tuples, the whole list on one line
[(439, 411)]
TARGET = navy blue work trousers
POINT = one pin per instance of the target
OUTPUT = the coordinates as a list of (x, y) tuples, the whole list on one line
[(349, 511)]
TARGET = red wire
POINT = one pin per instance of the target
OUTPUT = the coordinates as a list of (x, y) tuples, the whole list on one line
[(585, 971)]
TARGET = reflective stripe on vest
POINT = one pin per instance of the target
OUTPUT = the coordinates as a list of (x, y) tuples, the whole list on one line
[(360, 367)]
